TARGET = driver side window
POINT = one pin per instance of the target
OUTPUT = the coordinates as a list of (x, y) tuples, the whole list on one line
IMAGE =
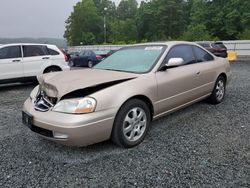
[(181, 51)]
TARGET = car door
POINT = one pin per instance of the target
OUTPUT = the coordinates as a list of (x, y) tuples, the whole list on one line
[(81, 59), (36, 58), (177, 86), (11, 65)]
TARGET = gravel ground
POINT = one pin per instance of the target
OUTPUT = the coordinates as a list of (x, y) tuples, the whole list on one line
[(200, 146)]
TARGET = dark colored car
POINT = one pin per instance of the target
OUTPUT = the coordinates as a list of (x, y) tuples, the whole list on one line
[(217, 48), (86, 58)]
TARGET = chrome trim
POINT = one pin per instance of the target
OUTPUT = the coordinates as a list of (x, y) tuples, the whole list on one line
[(42, 101)]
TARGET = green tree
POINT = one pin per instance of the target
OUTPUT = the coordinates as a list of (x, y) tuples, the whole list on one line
[(223, 19), (197, 33), (161, 19), (84, 24), (245, 35), (127, 9), (146, 20), (123, 29), (158, 20)]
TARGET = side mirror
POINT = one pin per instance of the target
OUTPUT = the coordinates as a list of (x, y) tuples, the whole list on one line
[(175, 62)]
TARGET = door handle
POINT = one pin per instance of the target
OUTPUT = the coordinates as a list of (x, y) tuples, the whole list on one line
[(198, 72), (45, 57), (16, 60)]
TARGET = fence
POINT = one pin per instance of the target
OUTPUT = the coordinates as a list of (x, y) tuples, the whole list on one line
[(241, 47)]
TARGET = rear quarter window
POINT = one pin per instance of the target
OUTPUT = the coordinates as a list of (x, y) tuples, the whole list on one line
[(53, 52), (201, 55)]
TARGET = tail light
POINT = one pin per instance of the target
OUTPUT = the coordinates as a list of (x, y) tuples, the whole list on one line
[(98, 57), (65, 56)]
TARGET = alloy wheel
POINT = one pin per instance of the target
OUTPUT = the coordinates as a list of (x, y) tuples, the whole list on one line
[(220, 90), (134, 124)]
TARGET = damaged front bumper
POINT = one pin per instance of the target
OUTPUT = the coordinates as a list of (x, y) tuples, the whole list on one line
[(69, 129)]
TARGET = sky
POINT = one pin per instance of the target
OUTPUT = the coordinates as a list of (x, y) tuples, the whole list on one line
[(34, 18)]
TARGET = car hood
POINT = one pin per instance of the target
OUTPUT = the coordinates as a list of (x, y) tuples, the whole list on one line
[(58, 84)]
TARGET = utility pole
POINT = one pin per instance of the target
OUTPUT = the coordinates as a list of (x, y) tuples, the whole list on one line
[(104, 24)]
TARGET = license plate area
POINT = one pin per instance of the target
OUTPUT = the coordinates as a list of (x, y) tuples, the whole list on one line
[(27, 119)]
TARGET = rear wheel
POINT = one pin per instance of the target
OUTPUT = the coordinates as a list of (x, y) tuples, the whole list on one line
[(90, 64), (131, 124), (218, 93), (52, 69)]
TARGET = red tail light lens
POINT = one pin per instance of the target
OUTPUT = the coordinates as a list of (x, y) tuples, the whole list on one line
[(65, 55), (98, 57), (66, 58)]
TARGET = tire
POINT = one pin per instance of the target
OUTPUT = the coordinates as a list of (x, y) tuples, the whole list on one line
[(90, 64), (52, 69), (219, 91), (131, 124), (71, 64)]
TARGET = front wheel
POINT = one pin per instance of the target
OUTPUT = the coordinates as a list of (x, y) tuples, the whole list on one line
[(219, 91), (71, 64), (131, 124)]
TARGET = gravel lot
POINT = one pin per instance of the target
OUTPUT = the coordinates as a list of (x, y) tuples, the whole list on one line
[(200, 146)]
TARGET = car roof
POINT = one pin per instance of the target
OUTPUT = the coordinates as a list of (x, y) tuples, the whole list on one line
[(164, 43), (35, 44), (167, 43)]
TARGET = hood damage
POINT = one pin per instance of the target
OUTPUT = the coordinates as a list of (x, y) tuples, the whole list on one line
[(74, 84), (93, 89)]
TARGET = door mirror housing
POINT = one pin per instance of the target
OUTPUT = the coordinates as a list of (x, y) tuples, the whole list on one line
[(172, 62), (175, 62)]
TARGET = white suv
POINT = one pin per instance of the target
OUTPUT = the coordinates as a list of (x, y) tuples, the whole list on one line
[(23, 62)]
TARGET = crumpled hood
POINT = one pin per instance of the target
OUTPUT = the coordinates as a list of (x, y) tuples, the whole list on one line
[(58, 84)]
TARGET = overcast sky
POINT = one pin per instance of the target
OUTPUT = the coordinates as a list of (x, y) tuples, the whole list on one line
[(34, 18)]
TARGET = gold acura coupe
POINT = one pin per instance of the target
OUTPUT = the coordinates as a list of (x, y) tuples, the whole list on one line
[(119, 97)]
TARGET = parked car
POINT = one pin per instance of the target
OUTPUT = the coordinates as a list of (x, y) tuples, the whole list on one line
[(119, 97), (23, 62), (217, 48), (86, 58)]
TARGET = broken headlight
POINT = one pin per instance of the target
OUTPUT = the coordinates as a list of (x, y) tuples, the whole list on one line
[(34, 92)]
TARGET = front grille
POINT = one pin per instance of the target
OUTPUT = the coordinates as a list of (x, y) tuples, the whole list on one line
[(43, 103)]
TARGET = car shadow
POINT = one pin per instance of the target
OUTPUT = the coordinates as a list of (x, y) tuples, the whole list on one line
[(15, 86)]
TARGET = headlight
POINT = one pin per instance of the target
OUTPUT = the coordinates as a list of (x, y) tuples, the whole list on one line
[(34, 92), (76, 106)]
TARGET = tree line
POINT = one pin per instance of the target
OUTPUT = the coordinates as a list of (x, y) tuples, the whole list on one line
[(101, 21)]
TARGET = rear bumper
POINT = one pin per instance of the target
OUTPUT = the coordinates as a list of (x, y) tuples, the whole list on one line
[(76, 130), (65, 67)]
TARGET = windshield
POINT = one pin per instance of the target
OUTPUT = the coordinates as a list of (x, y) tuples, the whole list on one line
[(138, 59), (219, 45)]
